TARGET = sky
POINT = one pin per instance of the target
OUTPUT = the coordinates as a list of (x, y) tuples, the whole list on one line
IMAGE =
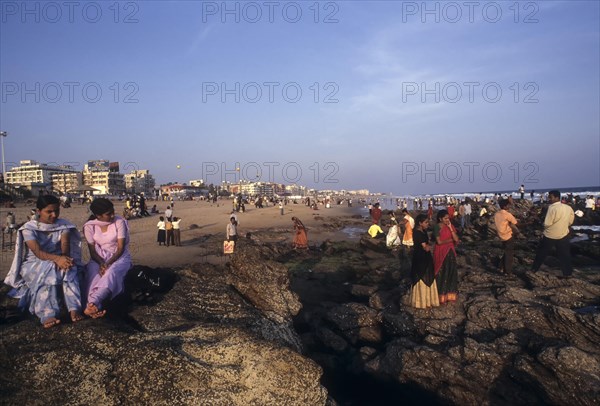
[(397, 97)]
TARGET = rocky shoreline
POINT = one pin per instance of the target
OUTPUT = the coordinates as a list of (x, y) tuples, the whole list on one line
[(262, 327)]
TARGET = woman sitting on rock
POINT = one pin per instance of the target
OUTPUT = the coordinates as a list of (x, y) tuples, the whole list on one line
[(107, 237), (47, 256)]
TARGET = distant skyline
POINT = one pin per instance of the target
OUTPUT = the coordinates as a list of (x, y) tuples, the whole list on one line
[(395, 97)]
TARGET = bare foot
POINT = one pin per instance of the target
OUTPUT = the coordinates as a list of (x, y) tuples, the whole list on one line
[(76, 316), (51, 322), (92, 311)]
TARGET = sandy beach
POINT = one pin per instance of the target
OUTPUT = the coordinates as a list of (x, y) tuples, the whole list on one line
[(200, 219)]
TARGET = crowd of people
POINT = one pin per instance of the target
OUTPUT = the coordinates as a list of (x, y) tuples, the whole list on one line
[(434, 274), (48, 266)]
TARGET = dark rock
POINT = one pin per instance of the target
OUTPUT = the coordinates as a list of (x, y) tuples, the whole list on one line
[(356, 322), (265, 283)]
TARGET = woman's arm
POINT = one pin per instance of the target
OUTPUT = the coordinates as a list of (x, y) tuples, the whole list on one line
[(115, 257), (62, 261)]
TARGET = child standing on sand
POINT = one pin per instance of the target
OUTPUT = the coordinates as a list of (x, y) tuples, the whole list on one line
[(161, 238)]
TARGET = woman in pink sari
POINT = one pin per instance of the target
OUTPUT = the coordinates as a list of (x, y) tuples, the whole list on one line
[(107, 237), (444, 258)]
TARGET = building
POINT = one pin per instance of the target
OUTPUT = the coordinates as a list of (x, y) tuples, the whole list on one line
[(140, 181), (34, 176), (66, 182), (104, 176), (178, 191), (197, 182)]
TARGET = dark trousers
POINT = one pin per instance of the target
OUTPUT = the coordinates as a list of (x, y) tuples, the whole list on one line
[(563, 252), (508, 257)]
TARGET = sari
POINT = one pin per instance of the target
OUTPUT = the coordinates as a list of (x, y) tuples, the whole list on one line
[(36, 282), (407, 238), (445, 269), (300, 237), (392, 240), (100, 288), (424, 292)]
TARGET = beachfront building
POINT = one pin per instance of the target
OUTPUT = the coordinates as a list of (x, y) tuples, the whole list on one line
[(34, 176), (295, 190), (180, 192), (268, 189), (66, 182), (197, 183), (104, 176), (140, 181)]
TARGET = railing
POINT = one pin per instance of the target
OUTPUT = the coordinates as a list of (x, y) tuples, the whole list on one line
[(12, 191)]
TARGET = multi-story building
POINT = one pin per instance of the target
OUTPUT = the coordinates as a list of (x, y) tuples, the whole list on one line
[(104, 176), (66, 182), (35, 176), (140, 181)]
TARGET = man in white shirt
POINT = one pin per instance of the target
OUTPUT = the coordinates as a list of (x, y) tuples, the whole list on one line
[(556, 234)]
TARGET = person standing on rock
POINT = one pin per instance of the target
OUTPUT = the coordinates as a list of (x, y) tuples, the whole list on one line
[(506, 223), (231, 230), (376, 213), (444, 258), (424, 292), (300, 236), (558, 219)]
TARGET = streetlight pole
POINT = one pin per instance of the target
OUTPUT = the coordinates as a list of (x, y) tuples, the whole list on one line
[(2, 135)]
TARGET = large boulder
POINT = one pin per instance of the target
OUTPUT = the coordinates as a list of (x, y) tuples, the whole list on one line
[(202, 343), (263, 282)]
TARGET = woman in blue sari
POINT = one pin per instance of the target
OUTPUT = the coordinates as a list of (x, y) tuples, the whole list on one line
[(47, 259)]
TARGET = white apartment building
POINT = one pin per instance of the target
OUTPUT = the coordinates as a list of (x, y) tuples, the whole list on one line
[(104, 176), (35, 176), (140, 181)]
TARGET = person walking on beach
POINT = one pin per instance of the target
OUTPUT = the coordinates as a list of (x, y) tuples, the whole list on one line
[(424, 292), (558, 219), (506, 224), (522, 191), (444, 258), (300, 235)]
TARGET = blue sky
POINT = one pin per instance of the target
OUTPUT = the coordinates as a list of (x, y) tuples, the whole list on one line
[(369, 74)]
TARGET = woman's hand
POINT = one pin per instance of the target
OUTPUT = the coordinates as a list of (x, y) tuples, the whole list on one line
[(64, 262)]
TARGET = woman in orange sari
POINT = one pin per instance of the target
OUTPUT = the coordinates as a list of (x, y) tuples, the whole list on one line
[(300, 238), (444, 258)]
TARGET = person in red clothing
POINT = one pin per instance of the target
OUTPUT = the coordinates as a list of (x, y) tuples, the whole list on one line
[(376, 213)]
